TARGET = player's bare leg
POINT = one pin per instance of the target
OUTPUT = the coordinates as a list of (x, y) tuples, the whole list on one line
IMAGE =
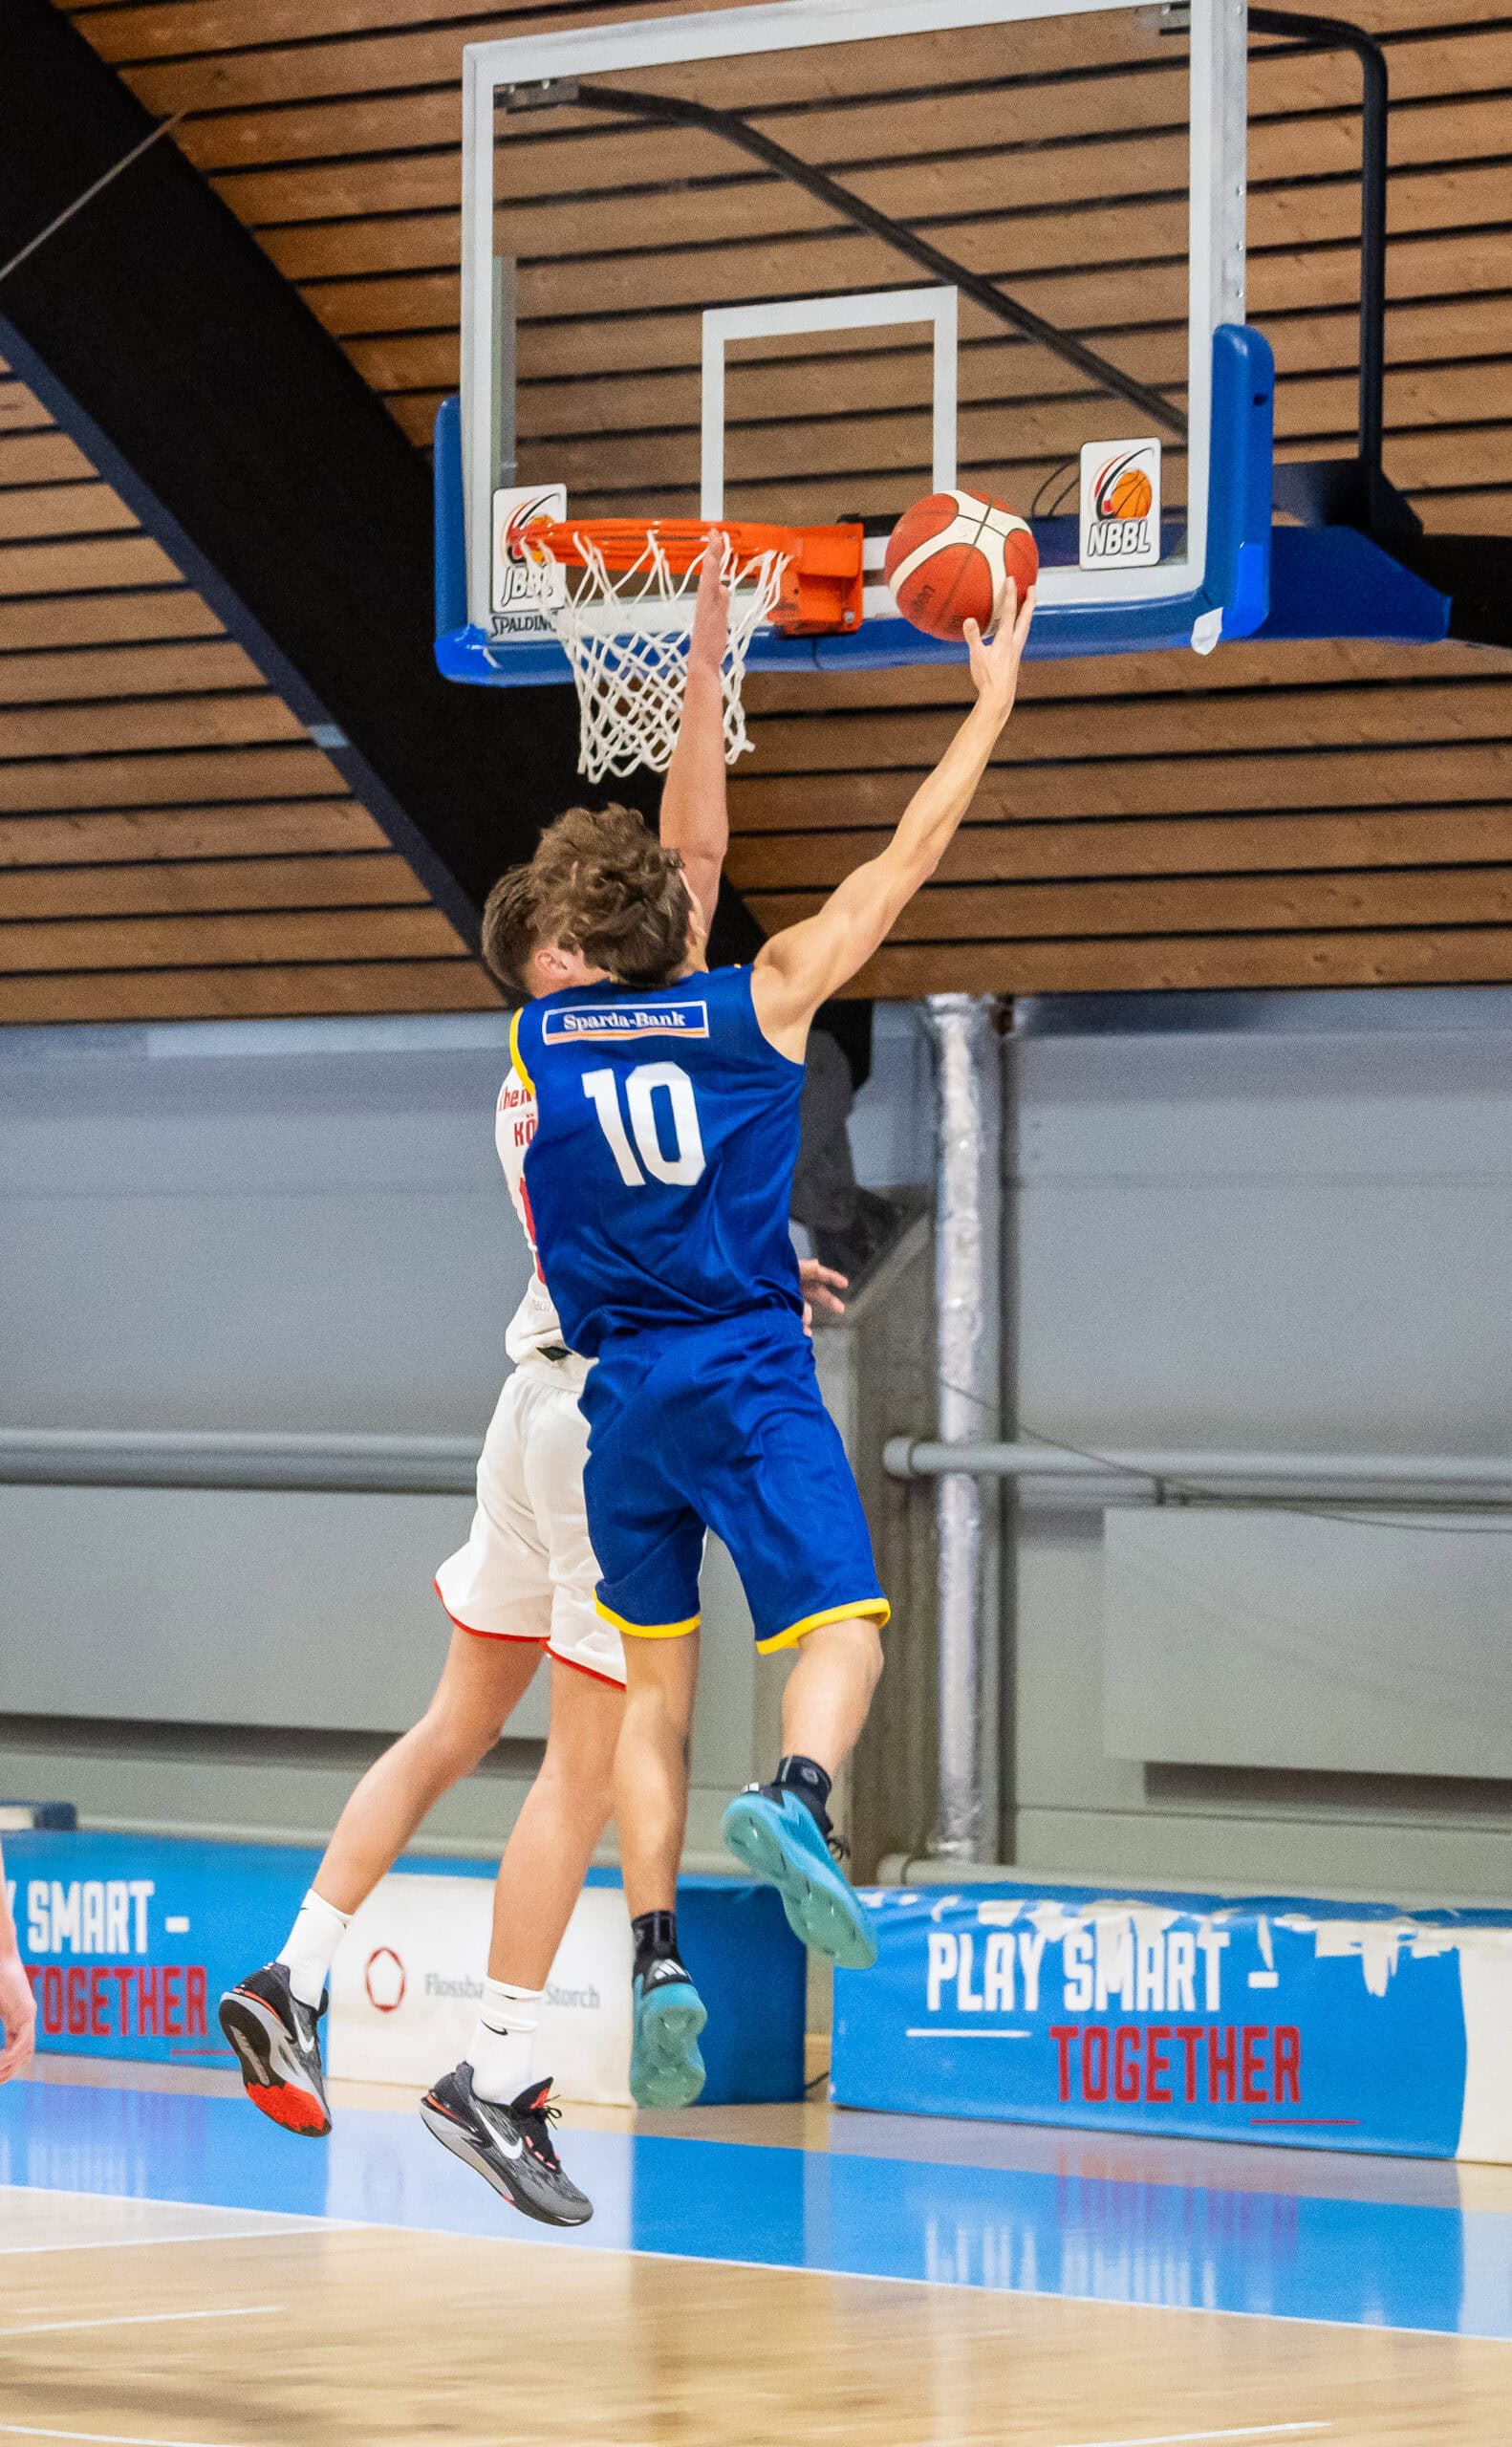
[(482, 1683), (273, 2017), (651, 1768), (554, 1839), (781, 1830), (541, 1874), (829, 1691), (488, 2111), (650, 1804)]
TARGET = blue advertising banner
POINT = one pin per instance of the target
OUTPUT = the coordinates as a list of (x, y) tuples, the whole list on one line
[(1350, 2026), (129, 1942)]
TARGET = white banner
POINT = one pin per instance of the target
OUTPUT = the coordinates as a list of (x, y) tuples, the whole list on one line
[(407, 1983)]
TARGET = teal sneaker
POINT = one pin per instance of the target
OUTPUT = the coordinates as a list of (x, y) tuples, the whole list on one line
[(665, 2066), (776, 1836)]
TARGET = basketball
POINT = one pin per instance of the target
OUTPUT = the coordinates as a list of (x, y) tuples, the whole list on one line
[(1130, 496), (949, 560)]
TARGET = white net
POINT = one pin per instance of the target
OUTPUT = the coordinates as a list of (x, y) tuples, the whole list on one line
[(626, 633)]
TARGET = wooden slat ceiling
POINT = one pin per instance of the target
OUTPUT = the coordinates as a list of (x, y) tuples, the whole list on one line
[(1293, 815), (172, 845)]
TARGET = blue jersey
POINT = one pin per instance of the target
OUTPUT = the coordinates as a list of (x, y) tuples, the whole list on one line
[(659, 1173)]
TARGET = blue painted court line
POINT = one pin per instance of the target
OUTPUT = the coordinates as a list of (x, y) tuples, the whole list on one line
[(1358, 2262)]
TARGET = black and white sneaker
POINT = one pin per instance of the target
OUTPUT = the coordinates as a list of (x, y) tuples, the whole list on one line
[(510, 2146), (277, 2044)]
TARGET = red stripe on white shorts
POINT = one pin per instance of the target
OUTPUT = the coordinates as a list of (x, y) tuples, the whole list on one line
[(531, 1639), (577, 1666)]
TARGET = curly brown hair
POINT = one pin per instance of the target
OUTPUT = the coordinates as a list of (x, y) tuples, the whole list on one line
[(600, 883), (508, 933)]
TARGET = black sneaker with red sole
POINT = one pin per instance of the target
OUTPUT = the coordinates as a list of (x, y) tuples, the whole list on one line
[(277, 2045), (509, 2145)]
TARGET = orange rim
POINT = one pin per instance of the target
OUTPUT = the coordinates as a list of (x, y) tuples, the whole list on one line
[(620, 541), (821, 581)]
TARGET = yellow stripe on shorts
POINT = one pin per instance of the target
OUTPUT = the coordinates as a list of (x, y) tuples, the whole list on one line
[(861, 1609), (646, 1631)]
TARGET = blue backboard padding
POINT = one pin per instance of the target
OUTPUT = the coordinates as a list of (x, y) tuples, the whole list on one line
[(1333, 582), (1253, 579), (1240, 493), (1234, 580), (237, 1902), (1273, 583), (1282, 2020), (451, 543)]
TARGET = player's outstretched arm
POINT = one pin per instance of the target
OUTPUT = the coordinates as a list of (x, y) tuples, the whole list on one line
[(695, 818), (800, 968)]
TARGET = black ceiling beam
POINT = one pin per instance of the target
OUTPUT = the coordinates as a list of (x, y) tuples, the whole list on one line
[(210, 397)]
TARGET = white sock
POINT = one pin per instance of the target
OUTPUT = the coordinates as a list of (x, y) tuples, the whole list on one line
[(318, 1930), (503, 2042)]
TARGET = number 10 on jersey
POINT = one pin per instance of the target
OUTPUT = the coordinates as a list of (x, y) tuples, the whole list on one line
[(686, 1163)]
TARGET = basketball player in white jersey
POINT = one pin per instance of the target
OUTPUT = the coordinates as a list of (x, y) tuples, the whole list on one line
[(523, 1583)]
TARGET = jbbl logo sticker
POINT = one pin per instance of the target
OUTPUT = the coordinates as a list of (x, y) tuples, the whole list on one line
[(520, 584), (1120, 524)]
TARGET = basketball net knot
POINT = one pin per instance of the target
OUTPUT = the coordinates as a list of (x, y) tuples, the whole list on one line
[(630, 670)]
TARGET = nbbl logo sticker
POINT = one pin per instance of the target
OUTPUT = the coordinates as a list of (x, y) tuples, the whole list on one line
[(1120, 521)]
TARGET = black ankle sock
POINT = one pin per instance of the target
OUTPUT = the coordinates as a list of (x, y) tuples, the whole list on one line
[(805, 1778), (655, 1936)]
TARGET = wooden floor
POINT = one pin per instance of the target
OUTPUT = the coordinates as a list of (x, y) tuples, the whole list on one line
[(195, 2324), (255, 2331)]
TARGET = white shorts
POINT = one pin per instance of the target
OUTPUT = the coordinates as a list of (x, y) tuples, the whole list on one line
[(528, 1571)]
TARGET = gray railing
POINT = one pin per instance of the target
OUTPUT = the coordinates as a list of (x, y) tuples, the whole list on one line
[(236, 1458), (1055, 1475)]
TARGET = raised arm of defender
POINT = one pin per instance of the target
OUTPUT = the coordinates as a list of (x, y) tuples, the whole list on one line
[(800, 968)]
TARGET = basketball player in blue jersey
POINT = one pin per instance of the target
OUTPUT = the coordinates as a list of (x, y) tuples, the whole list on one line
[(658, 1175), (524, 1582)]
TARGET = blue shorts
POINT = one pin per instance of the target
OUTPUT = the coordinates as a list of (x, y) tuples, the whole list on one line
[(722, 1427)]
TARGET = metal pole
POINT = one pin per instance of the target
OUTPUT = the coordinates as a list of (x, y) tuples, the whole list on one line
[(1471, 1478), (1333, 33), (504, 447), (966, 1045)]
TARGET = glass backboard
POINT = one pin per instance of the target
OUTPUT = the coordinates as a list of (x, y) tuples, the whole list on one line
[(812, 260)]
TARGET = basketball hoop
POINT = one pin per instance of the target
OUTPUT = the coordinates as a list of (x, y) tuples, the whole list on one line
[(619, 595)]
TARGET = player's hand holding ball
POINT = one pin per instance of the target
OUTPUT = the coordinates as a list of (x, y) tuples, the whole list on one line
[(958, 564), (994, 661)]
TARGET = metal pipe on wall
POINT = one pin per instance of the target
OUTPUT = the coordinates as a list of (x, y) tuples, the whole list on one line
[(1144, 1476), (966, 1261)]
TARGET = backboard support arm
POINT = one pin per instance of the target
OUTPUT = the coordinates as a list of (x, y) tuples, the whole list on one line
[(1474, 571), (1341, 492)]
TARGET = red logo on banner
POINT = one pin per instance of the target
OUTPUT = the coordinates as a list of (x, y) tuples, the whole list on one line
[(383, 1979)]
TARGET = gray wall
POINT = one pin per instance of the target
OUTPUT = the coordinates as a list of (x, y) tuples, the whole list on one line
[(1267, 1220), (291, 1228), (1276, 1222)]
